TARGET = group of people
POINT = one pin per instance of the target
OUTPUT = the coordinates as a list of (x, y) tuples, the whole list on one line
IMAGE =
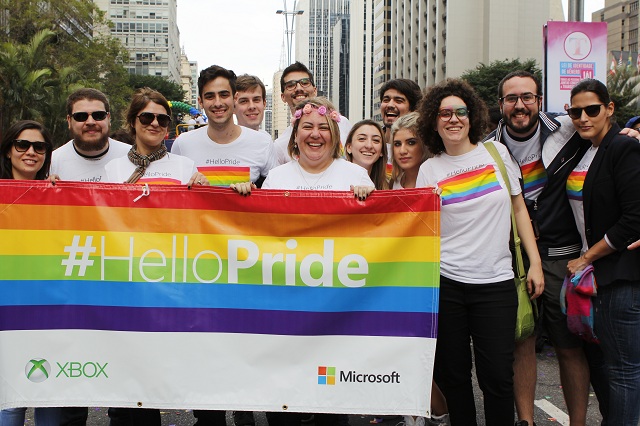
[(573, 182)]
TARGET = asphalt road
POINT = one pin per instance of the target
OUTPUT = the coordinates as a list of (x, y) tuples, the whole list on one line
[(550, 408)]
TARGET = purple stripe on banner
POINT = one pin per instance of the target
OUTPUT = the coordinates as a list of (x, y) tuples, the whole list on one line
[(115, 318)]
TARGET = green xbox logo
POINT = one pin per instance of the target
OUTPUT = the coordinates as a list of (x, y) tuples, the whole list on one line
[(37, 370)]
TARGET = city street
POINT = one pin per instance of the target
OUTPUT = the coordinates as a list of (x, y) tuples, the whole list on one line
[(550, 408)]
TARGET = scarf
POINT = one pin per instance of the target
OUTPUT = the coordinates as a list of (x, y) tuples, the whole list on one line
[(143, 161)]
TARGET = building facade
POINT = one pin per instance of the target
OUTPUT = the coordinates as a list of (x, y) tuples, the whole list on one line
[(322, 34), (622, 27), (149, 31)]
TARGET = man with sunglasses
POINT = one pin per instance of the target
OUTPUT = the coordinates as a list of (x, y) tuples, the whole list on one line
[(547, 148), (296, 85), (83, 158)]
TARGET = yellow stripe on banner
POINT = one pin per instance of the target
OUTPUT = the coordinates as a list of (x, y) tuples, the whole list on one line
[(219, 222), (375, 250)]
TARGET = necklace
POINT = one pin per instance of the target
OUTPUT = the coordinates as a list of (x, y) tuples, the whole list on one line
[(315, 184)]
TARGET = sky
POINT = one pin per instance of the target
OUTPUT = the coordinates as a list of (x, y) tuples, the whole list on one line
[(247, 36)]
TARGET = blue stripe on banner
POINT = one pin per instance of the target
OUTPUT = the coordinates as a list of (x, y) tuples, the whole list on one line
[(221, 296), (288, 323)]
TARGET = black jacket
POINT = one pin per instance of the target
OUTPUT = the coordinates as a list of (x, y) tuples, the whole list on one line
[(551, 212), (611, 196)]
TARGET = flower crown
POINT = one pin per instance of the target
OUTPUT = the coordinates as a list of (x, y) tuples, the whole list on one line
[(322, 110)]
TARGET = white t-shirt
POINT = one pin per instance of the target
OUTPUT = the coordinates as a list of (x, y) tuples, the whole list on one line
[(282, 143), (528, 154), (475, 219), (245, 159), (396, 184), (339, 176), (171, 169), (575, 183), (69, 165)]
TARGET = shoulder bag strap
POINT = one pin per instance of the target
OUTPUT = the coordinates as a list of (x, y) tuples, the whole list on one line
[(514, 229)]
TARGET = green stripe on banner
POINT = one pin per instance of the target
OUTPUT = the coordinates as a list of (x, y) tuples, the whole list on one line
[(389, 274)]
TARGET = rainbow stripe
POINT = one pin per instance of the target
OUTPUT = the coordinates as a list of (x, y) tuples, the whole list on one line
[(534, 175), (575, 183), (160, 181), (469, 185), (208, 260), (225, 175)]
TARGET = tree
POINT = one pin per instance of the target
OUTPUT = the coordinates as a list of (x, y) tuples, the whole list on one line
[(170, 90), (624, 90), (486, 78), (25, 76), (71, 55)]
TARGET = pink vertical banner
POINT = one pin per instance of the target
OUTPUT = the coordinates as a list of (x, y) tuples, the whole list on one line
[(573, 51)]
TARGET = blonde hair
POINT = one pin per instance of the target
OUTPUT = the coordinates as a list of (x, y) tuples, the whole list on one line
[(316, 103), (410, 123)]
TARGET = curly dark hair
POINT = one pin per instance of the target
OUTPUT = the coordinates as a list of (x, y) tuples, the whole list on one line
[(430, 105)]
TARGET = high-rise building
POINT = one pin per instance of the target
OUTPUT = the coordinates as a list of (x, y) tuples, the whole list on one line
[(361, 61), (149, 31), (433, 39), (622, 26), (186, 78), (381, 51), (322, 44), (280, 110), (193, 66), (267, 123)]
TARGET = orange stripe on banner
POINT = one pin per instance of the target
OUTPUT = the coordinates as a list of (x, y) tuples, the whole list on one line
[(189, 221)]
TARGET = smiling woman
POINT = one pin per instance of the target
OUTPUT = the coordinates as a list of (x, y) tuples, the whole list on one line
[(26, 154), (148, 161), (478, 298)]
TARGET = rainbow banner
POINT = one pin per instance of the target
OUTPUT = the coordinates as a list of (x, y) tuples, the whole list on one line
[(281, 301)]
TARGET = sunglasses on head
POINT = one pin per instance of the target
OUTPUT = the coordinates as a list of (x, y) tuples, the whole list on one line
[(147, 118), (22, 145), (84, 116), (591, 110)]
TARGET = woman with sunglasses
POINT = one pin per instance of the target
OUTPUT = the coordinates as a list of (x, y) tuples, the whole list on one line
[(478, 300), (148, 161), (26, 155), (365, 147), (604, 194)]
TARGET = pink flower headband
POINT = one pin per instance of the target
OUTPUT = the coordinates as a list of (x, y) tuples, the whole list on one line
[(322, 110)]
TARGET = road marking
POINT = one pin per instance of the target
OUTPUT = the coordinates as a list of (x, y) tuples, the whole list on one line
[(553, 411)]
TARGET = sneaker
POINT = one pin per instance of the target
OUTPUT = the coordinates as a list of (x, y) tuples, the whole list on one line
[(442, 420), (410, 421)]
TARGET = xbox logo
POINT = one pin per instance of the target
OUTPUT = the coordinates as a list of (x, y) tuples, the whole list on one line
[(37, 370)]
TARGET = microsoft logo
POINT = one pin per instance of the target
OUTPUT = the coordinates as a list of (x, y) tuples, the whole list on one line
[(37, 370), (326, 375)]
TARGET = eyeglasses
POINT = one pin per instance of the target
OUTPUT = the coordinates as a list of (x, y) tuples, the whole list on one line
[(291, 84), (81, 117), (527, 99), (147, 118), (591, 110), (446, 114), (22, 145)]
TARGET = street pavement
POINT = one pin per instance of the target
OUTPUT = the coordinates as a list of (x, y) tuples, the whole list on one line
[(550, 408)]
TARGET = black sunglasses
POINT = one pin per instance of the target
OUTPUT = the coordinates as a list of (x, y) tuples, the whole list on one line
[(84, 116), (291, 84), (147, 118), (591, 110), (22, 145)]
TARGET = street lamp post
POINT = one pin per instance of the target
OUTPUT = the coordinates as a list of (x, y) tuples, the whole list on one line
[(289, 30)]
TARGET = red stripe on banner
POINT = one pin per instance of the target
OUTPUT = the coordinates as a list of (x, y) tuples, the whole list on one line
[(262, 201)]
